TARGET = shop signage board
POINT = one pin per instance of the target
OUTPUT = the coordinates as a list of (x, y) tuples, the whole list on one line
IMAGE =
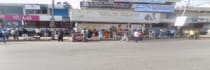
[(49, 18), (142, 1), (19, 18), (25, 18), (105, 5), (180, 21), (119, 16), (1, 16), (32, 7), (154, 8)]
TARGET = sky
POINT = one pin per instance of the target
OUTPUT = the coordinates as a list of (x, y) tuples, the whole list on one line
[(76, 3), (195, 3)]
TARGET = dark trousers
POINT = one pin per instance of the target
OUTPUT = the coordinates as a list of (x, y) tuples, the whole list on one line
[(3, 39), (136, 39), (60, 38)]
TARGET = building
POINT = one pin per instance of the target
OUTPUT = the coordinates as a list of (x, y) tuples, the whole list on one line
[(106, 14), (31, 16)]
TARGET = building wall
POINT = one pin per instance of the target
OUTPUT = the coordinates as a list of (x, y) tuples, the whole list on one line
[(11, 10)]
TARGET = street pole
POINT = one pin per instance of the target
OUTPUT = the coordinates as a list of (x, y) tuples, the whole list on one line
[(52, 25), (185, 9), (184, 14)]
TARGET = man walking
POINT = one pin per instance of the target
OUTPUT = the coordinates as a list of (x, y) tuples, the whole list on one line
[(60, 36)]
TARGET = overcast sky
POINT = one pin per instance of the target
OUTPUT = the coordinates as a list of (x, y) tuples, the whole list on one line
[(75, 3)]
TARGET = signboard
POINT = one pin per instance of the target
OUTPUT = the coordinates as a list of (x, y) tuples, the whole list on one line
[(17, 17), (180, 20), (105, 5), (154, 8), (119, 16), (32, 7), (49, 18), (1, 16), (142, 1)]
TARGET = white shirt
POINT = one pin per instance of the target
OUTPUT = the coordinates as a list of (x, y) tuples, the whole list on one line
[(37, 30), (136, 34)]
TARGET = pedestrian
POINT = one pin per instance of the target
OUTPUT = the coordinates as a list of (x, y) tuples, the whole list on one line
[(38, 31), (3, 35), (60, 36), (191, 34), (25, 34), (100, 35), (125, 35), (46, 32), (84, 35), (141, 35), (136, 36), (14, 33), (114, 35), (90, 33)]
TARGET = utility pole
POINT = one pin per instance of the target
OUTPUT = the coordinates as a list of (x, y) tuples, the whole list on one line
[(184, 14), (185, 8), (52, 14), (52, 24)]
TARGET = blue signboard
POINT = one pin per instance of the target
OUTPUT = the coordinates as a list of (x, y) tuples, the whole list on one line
[(62, 12), (154, 8), (142, 1)]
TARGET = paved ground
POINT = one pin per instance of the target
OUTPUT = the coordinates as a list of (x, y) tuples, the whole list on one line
[(108, 55)]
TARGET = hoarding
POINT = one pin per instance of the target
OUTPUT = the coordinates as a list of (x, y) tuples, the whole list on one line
[(118, 16), (142, 1), (180, 21), (154, 8), (105, 5), (19, 17), (32, 7)]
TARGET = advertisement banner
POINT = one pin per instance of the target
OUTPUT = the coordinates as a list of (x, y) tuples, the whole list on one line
[(142, 1), (119, 16), (1, 16), (105, 5), (32, 7), (180, 21), (154, 8), (19, 18)]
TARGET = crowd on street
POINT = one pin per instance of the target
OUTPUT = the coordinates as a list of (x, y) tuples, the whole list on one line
[(88, 34), (136, 35), (15, 34)]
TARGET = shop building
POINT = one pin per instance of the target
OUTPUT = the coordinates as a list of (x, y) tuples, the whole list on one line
[(104, 14), (31, 16)]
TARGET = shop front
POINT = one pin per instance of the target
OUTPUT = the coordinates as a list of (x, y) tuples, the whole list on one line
[(17, 21), (110, 21)]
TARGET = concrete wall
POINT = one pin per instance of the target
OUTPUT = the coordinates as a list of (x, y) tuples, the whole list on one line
[(11, 10)]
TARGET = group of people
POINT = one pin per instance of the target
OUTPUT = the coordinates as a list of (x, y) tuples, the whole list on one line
[(123, 35), (5, 34)]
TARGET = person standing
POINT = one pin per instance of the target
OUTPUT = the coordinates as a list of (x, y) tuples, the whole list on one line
[(125, 35), (25, 34), (90, 33), (136, 36), (60, 35), (114, 35), (3, 35), (14, 33), (38, 31), (100, 35), (46, 32)]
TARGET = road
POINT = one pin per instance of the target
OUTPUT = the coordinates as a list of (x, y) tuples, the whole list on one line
[(106, 55)]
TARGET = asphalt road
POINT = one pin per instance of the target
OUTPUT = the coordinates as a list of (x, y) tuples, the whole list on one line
[(106, 55)]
